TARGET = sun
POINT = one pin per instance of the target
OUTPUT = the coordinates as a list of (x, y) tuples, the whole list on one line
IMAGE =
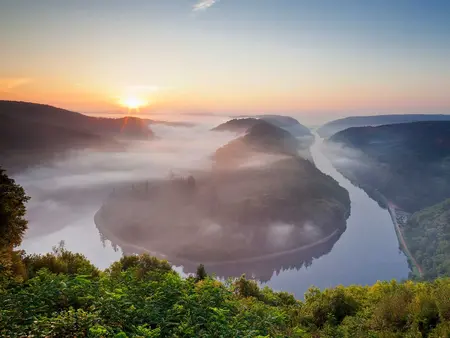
[(132, 102)]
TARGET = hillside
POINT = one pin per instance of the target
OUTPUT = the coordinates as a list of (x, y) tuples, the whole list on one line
[(33, 133), (428, 235), (260, 137), (330, 128), (239, 125), (264, 137), (407, 163), (57, 117), (288, 123)]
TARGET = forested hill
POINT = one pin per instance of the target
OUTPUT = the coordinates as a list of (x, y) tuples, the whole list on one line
[(33, 133), (330, 128), (262, 137), (408, 163)]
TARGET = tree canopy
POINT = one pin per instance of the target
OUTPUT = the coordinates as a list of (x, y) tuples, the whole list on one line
[(12, 212)]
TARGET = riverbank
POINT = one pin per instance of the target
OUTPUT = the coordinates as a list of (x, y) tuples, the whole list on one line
[(129, 248), (384, 203), (416, 269)]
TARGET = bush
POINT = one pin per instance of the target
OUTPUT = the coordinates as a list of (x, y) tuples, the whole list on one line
[(60, 261)]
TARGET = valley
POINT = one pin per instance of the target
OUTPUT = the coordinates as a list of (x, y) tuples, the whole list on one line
[(405, 167)]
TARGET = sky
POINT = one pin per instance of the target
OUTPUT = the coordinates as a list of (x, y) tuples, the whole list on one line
[(317, 58)]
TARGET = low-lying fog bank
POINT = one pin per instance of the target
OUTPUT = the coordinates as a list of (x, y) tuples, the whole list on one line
[(66, 194)]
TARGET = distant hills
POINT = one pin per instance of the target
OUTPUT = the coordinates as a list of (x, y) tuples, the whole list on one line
[(57, 117), (287, 123), (262, 137), (268, 133), (242, 124), (33, 133), (239, 125), (330, 128)]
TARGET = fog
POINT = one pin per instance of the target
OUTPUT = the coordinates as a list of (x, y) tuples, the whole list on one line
[(66, 194), (344, 156)]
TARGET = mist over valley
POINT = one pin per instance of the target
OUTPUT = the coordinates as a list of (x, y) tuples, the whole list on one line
[(252, 196)]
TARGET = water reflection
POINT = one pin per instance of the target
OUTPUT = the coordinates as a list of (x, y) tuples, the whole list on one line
[(262, 268)]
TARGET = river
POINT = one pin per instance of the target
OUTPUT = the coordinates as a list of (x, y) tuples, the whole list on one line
[(366, 252)]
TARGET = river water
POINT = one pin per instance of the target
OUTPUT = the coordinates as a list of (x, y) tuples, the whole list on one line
[(366, 252)]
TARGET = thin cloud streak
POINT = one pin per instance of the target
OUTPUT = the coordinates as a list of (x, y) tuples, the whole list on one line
[(203, 5), (11, 83)]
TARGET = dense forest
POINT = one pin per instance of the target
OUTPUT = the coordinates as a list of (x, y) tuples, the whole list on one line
[(61, 294), (428, 235)]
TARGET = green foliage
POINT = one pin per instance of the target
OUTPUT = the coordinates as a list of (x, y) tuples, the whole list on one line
[(428, 237), (12, 212), (12, 226), (60, 261), (140, 265), (139, 296)]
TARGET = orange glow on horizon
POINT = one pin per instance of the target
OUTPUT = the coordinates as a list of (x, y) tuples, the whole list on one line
[(132, 102)]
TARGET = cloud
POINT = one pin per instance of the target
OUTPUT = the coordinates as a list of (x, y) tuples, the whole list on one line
[(10, 83), (203, 5)]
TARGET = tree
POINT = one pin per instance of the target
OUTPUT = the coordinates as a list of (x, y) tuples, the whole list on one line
[(12, 226), (201, 273), (12, 212)]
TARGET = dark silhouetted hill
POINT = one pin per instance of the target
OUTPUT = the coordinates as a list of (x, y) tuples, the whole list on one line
[(330, 128), (57, 117), (34, 133)]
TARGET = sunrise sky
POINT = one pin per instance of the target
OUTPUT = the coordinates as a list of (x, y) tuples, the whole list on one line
[(313, 57)]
